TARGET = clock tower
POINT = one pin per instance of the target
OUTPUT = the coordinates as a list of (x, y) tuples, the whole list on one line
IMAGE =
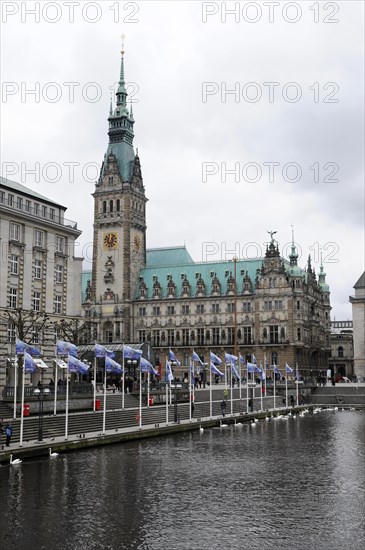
[(119, 240)]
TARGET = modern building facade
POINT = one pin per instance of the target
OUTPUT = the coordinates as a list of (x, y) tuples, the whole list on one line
[(358, 317), (267, 307), (39, 272)]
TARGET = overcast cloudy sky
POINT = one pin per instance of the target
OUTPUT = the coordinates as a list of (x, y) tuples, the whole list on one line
[(297, 72)]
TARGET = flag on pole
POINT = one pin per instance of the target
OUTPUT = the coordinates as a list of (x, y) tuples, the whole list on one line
[(65, 348), (22, 347), (146, 366), (251, 367), (29, 364), (288, 369), (215, 370), (235, 372), (101, 351), (276, 371), (172, 357), (75, 365), (242, 361), (229, 358), (195, 357), (254, 360), (263, 375), (169, 375), (112, 366), (131, 353), (266, 362), (257, 369), (297, 377), (215, 359)]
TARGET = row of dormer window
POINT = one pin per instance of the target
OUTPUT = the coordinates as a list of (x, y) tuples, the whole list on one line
[(28, 206)]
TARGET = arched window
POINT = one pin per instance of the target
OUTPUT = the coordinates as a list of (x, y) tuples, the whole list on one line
[(340, 351), (104, 207), (111, 206), (118, 205)]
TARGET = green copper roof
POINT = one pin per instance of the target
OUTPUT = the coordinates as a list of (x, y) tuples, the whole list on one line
[(18, 187), (175, 255), (124, 154)]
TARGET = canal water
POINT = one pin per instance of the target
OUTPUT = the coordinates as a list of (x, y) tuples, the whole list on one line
[(293, 484)]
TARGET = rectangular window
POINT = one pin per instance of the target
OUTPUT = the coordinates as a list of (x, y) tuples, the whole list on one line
[(268, 305), (299, 334), (19, 203), (278, 304), (36, 209), (15, 232), (35, 335), (59, 273), (170, 310), (247, 335), (200, 336), (13, 297), (37, 301), (142, 311), (2, 197), (27, 205), (38, 238), (44, 211), (215, 308), (185, 337), (185, 310), (60, 244), (156, 338), (10, 200), (200, 308), (52, 214), (58, 304), (37, 269), (230, 307), (14, 264), (141, 335), (246, 306), (230, 333), (216, 336), (171, 337), (156, 310), (274, 334), (11, 332), (298, 304)]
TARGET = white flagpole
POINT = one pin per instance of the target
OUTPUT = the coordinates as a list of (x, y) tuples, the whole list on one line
[(190, 392), (148, 389), (123, 381), (265, 386), (167, 402), (262, 399), (225, 375), (274, 375), (297, 388), (55, 390), (94, 406), (15, 383), (140, 395), (231, 390), (67, 383), (240, 380), (22, 405), (247, 390), (286, 387), (104, 405)]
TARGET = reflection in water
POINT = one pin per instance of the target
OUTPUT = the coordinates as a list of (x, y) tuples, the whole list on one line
[(293, 484)]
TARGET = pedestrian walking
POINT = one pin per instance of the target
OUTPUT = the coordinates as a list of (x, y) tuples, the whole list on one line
[(1, 428), (292, 400), (223, 407), (225, 394), (8, 433), (192, 409)]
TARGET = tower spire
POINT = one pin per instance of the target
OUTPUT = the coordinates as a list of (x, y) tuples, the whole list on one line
[(122, 92), (293, 254)]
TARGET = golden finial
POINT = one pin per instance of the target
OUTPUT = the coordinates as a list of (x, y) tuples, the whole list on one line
[(122, 50)]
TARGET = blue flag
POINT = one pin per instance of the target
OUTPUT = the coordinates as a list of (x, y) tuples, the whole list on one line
[(169, 375), (65, 348), (276, 370), (29, 364), (215, 370), (195, 357), (112, 366), (21, 347), (242, 361), (297, 373), (131, 353), (101, 351), (254, 360), (75, 365), (229, 358), (215, 358), (288, 369), (172, 357), (234, 372), (266, 363), (251, 367), (146, 366)]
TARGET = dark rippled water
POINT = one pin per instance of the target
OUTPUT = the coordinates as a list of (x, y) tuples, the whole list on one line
[(296, 484)]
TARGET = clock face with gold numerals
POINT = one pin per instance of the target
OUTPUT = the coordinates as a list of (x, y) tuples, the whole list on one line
[(137, 243), (110, 240)]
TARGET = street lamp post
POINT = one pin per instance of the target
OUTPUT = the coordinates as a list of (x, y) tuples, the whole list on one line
[(41, 394)]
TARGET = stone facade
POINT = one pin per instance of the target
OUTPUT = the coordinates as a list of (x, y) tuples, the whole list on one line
[(341, 360), (39, 271), (358, 317)]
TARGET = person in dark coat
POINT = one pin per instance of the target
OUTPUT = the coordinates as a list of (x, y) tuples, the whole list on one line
[(223, 407), (8, 434)]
